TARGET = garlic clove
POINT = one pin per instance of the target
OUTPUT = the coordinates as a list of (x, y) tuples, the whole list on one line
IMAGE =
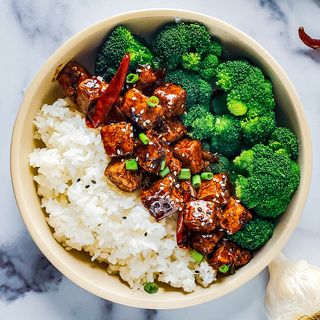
[(293, 290)]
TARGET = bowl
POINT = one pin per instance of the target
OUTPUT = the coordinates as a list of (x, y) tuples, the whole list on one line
[(77, 266)]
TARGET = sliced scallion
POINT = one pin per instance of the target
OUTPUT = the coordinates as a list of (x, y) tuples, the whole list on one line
[(131, 164), (196, 181), (143, 137), (207, 175), (153, 101), (132, 78), (224, 268), (196, 256), (184, 174), (164, 172), (151, 287)]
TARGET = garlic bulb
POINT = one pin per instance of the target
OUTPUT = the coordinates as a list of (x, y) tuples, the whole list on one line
[(293, 291)]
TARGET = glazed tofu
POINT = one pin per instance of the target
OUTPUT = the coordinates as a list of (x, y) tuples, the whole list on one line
[(70, 76), (173, 164), (206, 242), (151, 155), (200, 215), (88, 92), (189, 152), (163, 198), (172, 98), (171, 130), (234, 216), (216, 190), (118, 139), (126, 180), (230, 254), (136, 108), (80, 87), (147, 79)]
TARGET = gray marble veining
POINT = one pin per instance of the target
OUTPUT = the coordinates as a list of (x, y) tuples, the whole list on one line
[(30, 31)]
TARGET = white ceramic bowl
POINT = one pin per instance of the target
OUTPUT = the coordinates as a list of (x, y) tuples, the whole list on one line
[(78, 267)]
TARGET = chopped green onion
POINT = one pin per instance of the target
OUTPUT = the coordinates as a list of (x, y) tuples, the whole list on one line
[(151, 287), (197, 257), (196, 181), (131, 164), (153, 101), (224, 268), (206, 175), (185, 174), (163, 164), (164, 172), (143, 137), (132, 78)]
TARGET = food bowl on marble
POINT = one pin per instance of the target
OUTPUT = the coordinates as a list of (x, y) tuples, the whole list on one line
[(78, 267)]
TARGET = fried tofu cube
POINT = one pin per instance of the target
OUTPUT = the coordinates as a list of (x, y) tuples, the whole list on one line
[(189, 152), (151, 155), (163, 198), (171, 130), (216, 190), (135, 107), (118, 139), (70, 76), (146, 81), (172, 98), (200, 215), (234, 216), (228, 253), (206, 242), (125, 180), (89, 91)]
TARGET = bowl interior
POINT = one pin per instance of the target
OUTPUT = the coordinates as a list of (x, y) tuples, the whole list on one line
[(77, 266)]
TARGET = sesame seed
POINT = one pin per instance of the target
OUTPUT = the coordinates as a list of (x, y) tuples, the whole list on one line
[(124, 218), (145, 234), (133, 109), (78, 180), (93, 181), (134, 98), (202, 223), (142, 111), (131, 135), (196, 271), (87, 186)]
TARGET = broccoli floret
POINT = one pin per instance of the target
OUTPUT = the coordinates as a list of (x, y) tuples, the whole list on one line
[(120, 41), (254, 235), (251, 97), (283, 139), (205, 145), (223, 165), (198, 90), (219, 104), (171, 42), (215, 48), (233, 72), (208, 66), (184, 44), (200, 38), (191, 61), (268, 180), (258, 129), (226, 136), (199, 121)]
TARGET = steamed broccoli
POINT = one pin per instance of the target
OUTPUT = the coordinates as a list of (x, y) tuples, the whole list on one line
[(199, 121), (254, 235), (185, 44), (120, 41), (267, 180), (198, 90), (233, 72), (171, 43), (258, 129), (251, 98), (283, 139), (205, 67), (226, 136), (223, 165)]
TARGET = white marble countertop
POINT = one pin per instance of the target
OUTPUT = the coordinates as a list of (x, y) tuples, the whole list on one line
[(30, 288)]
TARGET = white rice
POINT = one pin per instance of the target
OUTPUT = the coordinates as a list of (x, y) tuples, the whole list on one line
[(109, 224)]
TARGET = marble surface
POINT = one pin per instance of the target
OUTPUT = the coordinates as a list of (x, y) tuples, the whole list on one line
[(30, 288)]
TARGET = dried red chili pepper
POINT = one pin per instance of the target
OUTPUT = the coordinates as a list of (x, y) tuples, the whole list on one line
[(112, 92), (307, 40), (182, 233)]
